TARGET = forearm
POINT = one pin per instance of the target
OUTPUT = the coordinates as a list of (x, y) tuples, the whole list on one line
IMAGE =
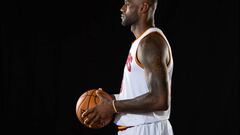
[(144, 103)]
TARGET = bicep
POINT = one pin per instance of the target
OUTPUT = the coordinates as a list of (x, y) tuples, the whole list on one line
[(154, 55), (156, 74)]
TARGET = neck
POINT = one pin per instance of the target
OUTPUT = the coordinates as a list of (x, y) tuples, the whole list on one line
[(139, 29)]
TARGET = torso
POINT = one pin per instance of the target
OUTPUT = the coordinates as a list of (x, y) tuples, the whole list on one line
[(134, 84)]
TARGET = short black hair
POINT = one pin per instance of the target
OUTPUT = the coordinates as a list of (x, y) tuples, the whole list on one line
[(152, 2)]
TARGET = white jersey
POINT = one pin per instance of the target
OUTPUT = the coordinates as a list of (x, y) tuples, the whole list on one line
[(134, 85)]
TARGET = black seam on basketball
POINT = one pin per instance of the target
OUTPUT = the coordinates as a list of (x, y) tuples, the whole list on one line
[(95, 100), (90, 91), (90, 99), (83, 100)]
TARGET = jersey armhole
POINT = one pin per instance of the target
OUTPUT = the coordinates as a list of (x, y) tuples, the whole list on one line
[(137, 60)]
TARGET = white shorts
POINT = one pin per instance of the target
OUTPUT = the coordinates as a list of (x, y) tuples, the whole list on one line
[(157, 128)]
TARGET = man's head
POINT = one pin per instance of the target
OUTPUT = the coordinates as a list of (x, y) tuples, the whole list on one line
[(134, 10)]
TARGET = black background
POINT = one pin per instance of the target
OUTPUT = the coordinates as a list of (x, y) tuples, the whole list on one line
[(53, 51)]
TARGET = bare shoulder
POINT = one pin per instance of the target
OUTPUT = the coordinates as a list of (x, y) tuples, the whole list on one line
[(153, 49), (154, 41)]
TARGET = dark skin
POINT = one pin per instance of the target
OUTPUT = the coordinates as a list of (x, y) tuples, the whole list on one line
[(154, 56)]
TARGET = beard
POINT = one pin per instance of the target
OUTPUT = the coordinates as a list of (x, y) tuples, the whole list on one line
[(129, 20), (125, 21)]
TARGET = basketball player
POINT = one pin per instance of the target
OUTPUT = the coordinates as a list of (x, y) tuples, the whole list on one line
[(143, 105)]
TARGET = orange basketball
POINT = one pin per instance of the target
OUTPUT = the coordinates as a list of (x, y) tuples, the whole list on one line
[(88, 100)]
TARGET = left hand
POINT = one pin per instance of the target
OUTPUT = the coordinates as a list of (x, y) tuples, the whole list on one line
[(101, 111)]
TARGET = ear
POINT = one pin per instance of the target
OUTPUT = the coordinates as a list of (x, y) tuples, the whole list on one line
[(144, 7)]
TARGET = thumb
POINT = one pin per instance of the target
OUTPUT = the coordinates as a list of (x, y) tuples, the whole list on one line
[(99, 94)]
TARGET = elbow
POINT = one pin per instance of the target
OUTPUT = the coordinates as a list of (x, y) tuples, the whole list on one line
[(160, 105), (163, 107)]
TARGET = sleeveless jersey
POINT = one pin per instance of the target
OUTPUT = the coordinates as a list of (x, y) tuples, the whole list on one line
[(134, 85)]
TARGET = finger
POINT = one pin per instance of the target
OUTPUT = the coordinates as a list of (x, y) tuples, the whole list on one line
[(90, 118), (100, 89), (102, 123), (87, 112), (100, 95), (95, 119)]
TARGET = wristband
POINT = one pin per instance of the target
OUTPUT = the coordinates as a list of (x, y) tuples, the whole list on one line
[(114, 107)]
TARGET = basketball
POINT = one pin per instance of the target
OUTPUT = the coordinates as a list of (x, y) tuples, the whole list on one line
[(88, 100)]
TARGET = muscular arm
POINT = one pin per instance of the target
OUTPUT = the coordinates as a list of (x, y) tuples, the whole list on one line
[(153, 54)]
